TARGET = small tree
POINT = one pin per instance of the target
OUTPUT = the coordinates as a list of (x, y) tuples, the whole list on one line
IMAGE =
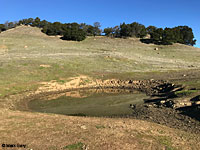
[(151, 29), (97, 30), (84, 26), (28, 21), (43, 23), (125, 30), (2, 27), (36, 22), (6, 25), (116, 31), (90, 31), (108, 32)]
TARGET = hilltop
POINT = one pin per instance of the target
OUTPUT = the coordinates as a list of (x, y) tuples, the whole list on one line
[(30, 58), (78, 32)]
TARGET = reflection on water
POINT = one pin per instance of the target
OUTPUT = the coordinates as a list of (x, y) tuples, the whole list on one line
[(91, 102)]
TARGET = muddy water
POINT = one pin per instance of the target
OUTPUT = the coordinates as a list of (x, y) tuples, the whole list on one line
[(89, 102)]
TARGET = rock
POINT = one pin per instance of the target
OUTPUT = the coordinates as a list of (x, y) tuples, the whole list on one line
[(156, 49), (169, 103), (191, 66), (130, 81), (132, 106), (83, 127), (162, 102)]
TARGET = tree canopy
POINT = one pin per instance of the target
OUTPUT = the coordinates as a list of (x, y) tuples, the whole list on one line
[(167, 36), (68, 31), (78, 32)]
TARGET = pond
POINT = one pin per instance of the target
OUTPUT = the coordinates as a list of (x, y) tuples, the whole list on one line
[(93, 102)]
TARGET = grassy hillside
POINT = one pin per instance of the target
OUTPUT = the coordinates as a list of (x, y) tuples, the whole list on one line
[(27, 56)]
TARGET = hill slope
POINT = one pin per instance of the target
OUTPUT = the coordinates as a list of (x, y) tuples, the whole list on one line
[(24, 49), (29, 57)]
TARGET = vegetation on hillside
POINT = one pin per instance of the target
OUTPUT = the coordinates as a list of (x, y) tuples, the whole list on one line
[(127, 30), (78, 32), (167, 36)]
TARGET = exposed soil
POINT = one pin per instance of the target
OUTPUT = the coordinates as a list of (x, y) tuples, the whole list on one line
[(168, 117)]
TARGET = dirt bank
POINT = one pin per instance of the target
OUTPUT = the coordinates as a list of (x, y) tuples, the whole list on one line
[(168, 117)]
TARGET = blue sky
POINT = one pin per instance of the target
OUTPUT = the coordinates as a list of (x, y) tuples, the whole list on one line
[(160, 13)]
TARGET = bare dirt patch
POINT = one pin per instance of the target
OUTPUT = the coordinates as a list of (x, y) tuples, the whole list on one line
[(3, 49), (78, 82), (168, 117), (45, 66)]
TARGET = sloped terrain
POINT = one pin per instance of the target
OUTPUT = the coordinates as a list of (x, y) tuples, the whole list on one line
[(25, 51), (29, 58)]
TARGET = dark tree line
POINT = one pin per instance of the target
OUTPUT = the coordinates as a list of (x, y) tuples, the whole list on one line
[(132, 30), (8, 25), (78, 32), (167, 36), (127, 30), (68, 31)]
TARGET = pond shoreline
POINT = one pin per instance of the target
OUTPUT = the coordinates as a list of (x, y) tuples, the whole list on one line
[(159, 111), (146, 86)]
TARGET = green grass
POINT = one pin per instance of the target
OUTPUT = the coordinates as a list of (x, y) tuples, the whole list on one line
[(163, 141), (77, 146), (98, 57), (185, 92), (100, 127), (166, 141), (192, 83)]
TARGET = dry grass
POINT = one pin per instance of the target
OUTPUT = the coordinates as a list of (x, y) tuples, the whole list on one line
[(49, 131), (29, 57)]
